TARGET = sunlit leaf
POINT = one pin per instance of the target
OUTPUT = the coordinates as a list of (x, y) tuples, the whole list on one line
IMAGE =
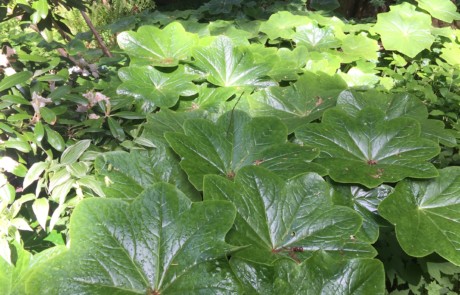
[(293, 218), (226, 65), (158, 47), (160, 243), (154, 87), (444, 10), (237, 140), (404, 29)]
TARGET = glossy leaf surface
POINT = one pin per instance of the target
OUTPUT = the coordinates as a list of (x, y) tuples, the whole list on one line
[(237, 140), (318, 275), (426, 215), (365, 202), (396, 106), (291, 219), (125, 175), (161, 243), (158, 47), (368, 149), (154, 87), (300, 103)]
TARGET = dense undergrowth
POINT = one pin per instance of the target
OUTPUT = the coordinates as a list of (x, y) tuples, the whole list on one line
[(235, 148)]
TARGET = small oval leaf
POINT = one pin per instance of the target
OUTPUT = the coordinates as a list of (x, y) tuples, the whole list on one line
[(55, 139), (14, 79), (73, 152), (41, 208), (34, 173)]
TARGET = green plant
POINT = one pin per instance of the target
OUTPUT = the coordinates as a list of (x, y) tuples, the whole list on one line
[(233, 157)]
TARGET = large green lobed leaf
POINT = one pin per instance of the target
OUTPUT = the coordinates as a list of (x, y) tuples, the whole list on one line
[(155, 87), (300, 103), (158, 47), (237, 140), (397, 106), (226, 65), (125, 175), (368, 149), (426, 215), (444, 10), (294, 218), (319, 275), (159, 244), (404, 29)]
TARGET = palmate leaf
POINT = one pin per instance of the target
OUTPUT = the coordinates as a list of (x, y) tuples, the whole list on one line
[(368, 149), (426, 215), (300, 103), (125, 175), (282, 24), (396, 106), (237, 140), (152, 46), (356, 47), (164, 121), (293, 218), (444, 10), (226, 65), (315, 38), (318, 275), (154, 87), (159, 244), (404, 29), (212, 100)]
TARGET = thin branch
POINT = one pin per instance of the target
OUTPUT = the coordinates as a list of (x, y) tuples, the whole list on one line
[(96, 34)]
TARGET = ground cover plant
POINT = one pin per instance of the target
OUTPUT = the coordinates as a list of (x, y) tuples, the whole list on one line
[(237, 148)]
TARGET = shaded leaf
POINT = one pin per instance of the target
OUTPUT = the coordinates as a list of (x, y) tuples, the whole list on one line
[(14, 80), (368, 149), (125, 174), (221, 6), (425, 214), (318, 275), (327, 5), (302, 102), (116, 129), (365, 202)]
